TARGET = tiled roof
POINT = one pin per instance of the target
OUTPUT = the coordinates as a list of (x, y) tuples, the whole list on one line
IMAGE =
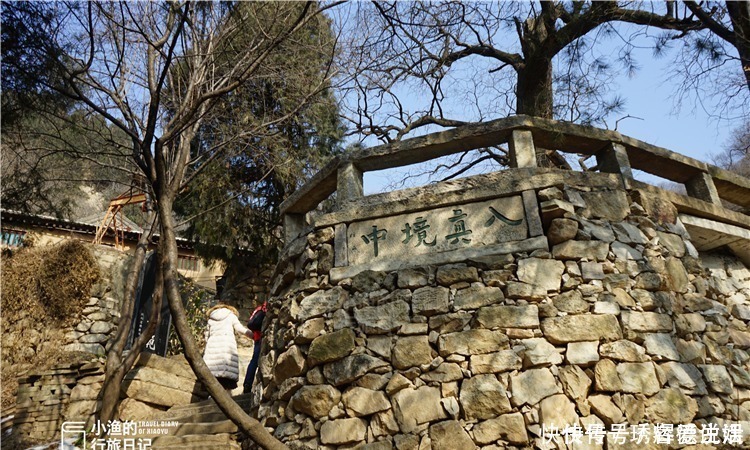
[(10, 218)]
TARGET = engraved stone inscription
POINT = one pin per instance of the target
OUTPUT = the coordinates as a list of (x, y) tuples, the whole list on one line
[(439, 230)]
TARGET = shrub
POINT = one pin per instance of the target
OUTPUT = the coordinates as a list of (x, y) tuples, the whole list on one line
[(196, 301), (44, 289), (66, 279)]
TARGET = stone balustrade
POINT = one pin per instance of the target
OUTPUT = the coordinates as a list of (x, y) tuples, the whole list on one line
[(614, 153)]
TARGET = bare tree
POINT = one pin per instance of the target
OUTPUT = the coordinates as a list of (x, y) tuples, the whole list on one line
[(155, 71), (729, 21), (736, 153), (705, 65), (490, 58)]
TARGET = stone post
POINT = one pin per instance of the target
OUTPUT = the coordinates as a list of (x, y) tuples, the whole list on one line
[(533, 218), (614, 159), (349, 185), (703, 188), (522, 152), (293, 224), (341, 247)]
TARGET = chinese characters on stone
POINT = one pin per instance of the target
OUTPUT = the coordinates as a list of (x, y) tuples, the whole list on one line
[(374, 237), (419, 231)]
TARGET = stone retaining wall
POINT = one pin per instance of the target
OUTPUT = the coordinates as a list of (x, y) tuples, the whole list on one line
[(44, 398), (26, 338), (98, 324), (68, 392), (246, 287), (613, 319)]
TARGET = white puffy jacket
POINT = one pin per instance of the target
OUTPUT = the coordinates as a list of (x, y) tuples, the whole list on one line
[(221, 346)]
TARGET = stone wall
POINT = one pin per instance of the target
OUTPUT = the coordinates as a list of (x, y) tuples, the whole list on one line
[(68, 392), (246, 286), (614, 319), (98, 324), (65, 388), (44, 399), (31, 337)]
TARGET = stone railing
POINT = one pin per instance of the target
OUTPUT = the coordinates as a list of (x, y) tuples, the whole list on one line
[(706, 185), (482, 311), (614, 152)]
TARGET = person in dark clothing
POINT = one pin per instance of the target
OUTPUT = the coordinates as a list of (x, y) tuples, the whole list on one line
[(255, 324)]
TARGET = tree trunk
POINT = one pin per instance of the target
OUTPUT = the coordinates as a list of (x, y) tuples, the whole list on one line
[(534, 97), (534, 89), (739, 12), (228, 406), (116, 366)]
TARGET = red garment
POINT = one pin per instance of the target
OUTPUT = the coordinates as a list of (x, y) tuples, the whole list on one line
[(256, 333)]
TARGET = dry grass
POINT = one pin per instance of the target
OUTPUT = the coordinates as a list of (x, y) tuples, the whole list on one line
[(44, 291), (52, 282)]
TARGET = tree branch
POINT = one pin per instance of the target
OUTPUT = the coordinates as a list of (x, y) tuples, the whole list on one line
[(512, 59), (715, 27)]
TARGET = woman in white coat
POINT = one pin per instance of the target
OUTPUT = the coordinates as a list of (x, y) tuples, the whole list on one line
[(221, 354)]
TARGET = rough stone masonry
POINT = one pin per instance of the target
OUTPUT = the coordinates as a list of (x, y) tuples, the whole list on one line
[(616, 319)]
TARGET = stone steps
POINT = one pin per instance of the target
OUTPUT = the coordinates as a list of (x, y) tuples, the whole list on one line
[(202, 407), (200, 426)]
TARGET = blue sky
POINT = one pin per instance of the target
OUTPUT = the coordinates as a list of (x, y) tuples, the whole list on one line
[(689, 131), (649, 97)]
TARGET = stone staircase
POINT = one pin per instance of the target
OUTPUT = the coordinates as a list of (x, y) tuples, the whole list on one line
[(199, 426)]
